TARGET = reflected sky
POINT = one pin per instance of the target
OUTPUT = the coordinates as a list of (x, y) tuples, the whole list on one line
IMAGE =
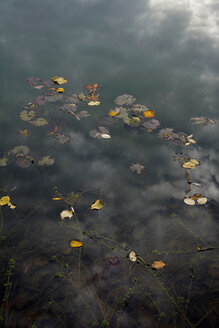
[(165, 54)]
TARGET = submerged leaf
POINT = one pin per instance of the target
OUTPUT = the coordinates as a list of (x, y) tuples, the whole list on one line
[(24, 133), (62, 138), (46, 160), (27, 115), (137, 167), (54, 98), (40, 121), (151, 124), (4, 161), (76, 243), (124, 100), (83, 114), (97, 205)]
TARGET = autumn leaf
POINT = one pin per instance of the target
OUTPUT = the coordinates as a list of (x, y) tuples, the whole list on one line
[(56, 198), (189, 201), (59, 80), (5, 200), (94, 103), (60, 90), (149, 113), (158, 265), (202, 200), (66, 214), (76, 243), (113, 112), (97, 205), (132, 256)]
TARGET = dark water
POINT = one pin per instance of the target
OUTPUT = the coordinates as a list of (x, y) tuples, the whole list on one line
[(165, 54)]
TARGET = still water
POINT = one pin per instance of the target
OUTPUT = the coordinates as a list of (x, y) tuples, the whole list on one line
[(164, 54)]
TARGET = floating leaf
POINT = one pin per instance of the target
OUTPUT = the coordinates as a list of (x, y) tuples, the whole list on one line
[(105, 136), (149, 113), (60, 90), (124, 100), (97, 205), (82, 96), (195, 197), (4, 200), (132, 256), (20, 151), (59, 80), (40, 121), (137, 167), (94, 103), (46, 160), (202, 200), (69, 108), (158, 265), (27, 115), (76, 243), (191, 164), (66, 214), (103, 133), (189, 201), (56, 198), (24, 133)]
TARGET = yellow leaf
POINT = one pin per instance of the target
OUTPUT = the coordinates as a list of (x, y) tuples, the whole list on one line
[(202, 200), (189, 165), (158, 265), (189, 201), (60, 90), (56, 198), (12, 207), (97, 205), (113, 113), (94, 103), (213, 122), (4, 200), (76, 243), (132, 256), (149, 113), (59, 80), (194, 161), (66, 214)]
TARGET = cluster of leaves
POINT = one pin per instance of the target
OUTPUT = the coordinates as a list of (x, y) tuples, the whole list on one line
[(23, 158)]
